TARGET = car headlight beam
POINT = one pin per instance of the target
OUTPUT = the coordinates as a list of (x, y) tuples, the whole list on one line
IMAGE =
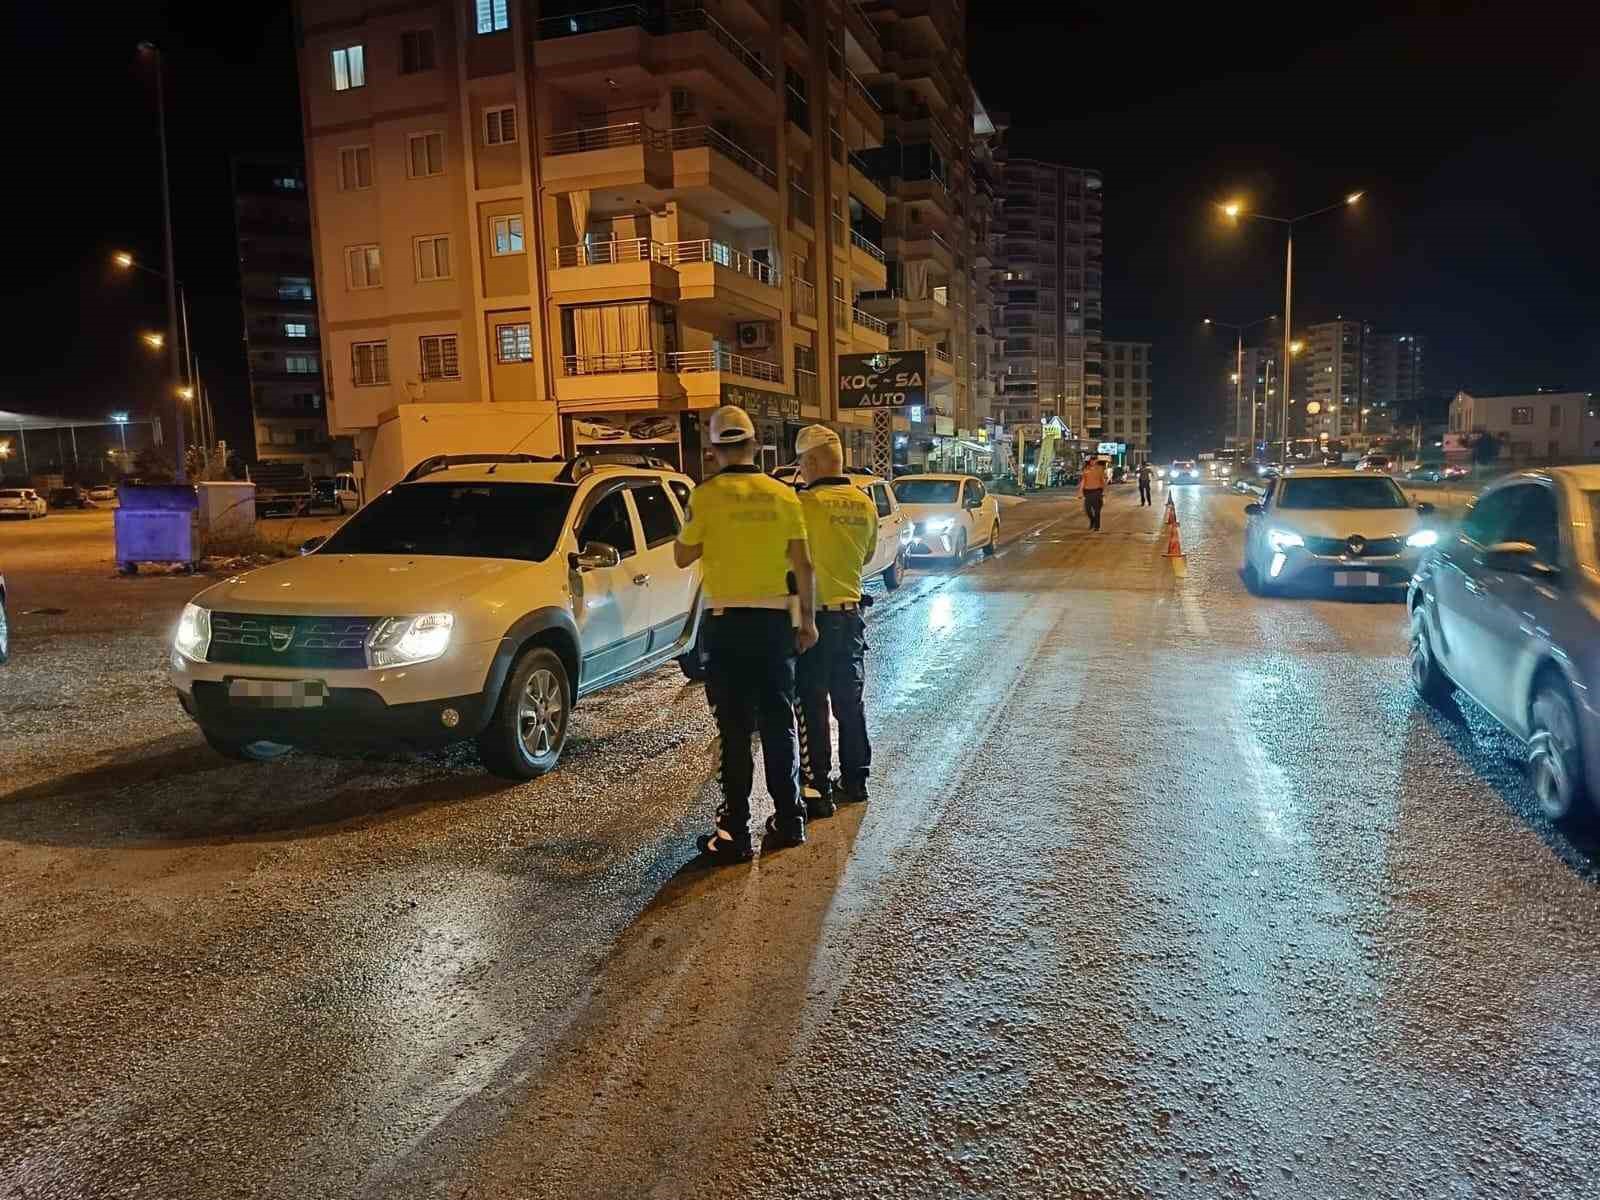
[(193, 637), (1423, 538), (407, 641), (1282, 539), (939, 524)]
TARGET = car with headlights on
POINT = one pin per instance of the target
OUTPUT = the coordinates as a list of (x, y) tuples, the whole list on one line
[(1334, 528), (1184, 470), (1507, 609), (949, 515), (479, 598)]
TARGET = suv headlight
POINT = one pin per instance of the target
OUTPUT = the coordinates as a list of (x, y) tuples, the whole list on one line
[(1282, 539), (193, 638), (939, 524), (407, 641), (1423, 538)]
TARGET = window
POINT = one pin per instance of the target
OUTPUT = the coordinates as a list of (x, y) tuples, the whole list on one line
[(656, 516), (493, 16), (880, 497), (288, 183), (1555, 416), (438, 356), (505, 235), (363, 267), (349, 68), (521, 521), (1522, 414), (369, 363), (1489, 516), (424, 155), (416, 51), (300, 364), (514, 342), (1534, 520), (500, 126), (296, 329), (294, 287), (608, 522), (432, 255), (680, 489), (355, 168)]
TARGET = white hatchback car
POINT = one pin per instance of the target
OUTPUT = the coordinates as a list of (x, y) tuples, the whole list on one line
[(1328, 527), (950, 514), (22, 502), (477, 598), (894, 530)]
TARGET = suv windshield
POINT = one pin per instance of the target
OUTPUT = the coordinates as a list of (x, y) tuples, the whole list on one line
[(1341, 491), (464, 520), (927, 491)]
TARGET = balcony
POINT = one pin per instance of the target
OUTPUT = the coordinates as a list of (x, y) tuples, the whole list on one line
[(869, 331), (866, 187), (631, 156), (800, 203), (632, 377), (931, 313), (921, 242), (798, 109), (710, 169), (803, 296), (864, 107), (867, 264), (723, 282), (599, 272), (929, 188), (805, 388), (702, 374)]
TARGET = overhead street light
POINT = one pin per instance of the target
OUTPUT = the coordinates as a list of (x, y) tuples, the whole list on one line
[(154, 340), (1238, 371)]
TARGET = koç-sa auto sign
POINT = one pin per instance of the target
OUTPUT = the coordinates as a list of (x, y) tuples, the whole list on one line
[(892, 379)]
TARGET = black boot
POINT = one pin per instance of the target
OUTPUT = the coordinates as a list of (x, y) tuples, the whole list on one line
[(853, 791), (819, 800), (785, 831)]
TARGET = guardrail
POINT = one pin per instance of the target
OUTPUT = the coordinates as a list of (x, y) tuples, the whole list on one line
[(857, 240), (609, 253), (690, 361), (604, 137), (617, 363), (706, 250), (868, 321), (693, 137)]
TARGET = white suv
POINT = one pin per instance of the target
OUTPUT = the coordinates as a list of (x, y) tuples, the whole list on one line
[(477, 598)]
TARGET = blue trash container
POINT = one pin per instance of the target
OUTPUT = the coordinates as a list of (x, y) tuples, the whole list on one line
[(157, 523)]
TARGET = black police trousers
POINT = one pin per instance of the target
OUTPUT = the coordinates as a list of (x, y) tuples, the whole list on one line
[(750, 656), (834, 670)]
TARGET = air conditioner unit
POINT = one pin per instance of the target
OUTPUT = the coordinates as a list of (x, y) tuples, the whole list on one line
[(755, 335)]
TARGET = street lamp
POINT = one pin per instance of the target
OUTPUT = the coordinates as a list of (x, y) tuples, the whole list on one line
[(151, 53), (152, 339), (1238, 369), (1234, 210), (191, 366), (120, 420)]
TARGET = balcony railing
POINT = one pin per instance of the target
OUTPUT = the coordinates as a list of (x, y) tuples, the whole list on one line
[(861, 90), (695, 136), (622, 16), (794, 15), (857, 240), (693, 19), (868, 321), (798, 110), (706, 250), (805, 297), (805, 384), (609, 253), (595, 20), (689, 361), (942, 355), (604, 137), (616, 363)]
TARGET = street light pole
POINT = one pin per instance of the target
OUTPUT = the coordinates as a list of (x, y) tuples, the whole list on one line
[(1238, 371), (154, 54)]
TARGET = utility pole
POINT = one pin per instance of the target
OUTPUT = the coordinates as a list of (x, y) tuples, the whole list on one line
[(151, 52)]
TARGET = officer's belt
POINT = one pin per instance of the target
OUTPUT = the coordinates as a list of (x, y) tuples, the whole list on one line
[(847, 606)]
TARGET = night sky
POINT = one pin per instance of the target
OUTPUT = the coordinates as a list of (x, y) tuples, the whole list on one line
[(1471, 129)]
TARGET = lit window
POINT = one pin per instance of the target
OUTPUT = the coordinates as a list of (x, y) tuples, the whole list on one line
[(294, 287), (288, 183), (300, 364), (493, 16), (515, 342), (432, 256), (355, 168), (369, 363), (425, 154), (438, 357), (506, 235), (363, 267), (296, 329), (499, 126), (349, 68)]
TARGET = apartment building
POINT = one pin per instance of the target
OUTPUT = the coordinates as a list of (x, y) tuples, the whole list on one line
[(1255, 393), (1395, 383), (1331, 381), (1126, 412), (288, 401), (1532, 427), (1050, 289), (567, 227)]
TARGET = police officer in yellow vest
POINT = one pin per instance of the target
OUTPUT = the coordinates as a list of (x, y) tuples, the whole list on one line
[(747, 530), (842, 528)]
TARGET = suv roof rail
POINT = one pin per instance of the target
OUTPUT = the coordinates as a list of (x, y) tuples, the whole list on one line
[(442, 462), (584, 464)]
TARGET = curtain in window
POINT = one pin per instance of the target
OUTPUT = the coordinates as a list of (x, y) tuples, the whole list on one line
[(916, 275), (578, 203)]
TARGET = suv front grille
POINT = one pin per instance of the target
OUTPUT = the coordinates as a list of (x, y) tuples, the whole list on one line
[(331, 643), (1375, 547)]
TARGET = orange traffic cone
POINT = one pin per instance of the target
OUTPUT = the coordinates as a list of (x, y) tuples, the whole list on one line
[(1174, 550)]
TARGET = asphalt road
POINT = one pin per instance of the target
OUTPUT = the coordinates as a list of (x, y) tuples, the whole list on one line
[(1163, 891)]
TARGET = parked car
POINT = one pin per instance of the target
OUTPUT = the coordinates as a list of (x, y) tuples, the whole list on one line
[(1508, 610), (337, 492), (22, 502), (1342, 528), (894, 532), (69, 497), (103, 493), (950, 514), (478, 598), (1376, 462)]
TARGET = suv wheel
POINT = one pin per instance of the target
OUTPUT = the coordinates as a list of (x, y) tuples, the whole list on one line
[(895, 573), (1427, 676), (1555, 762), (525, 736), (245, 751)]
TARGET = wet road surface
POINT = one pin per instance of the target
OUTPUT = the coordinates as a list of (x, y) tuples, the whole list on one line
[(1163, 890)]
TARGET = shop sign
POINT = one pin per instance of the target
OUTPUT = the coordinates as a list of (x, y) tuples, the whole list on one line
[(891, 379), (762, 404)]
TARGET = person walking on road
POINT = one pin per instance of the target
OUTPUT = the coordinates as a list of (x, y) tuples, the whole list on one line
[(842, 533), (1092, 487), (748, 531), (1144, 484)]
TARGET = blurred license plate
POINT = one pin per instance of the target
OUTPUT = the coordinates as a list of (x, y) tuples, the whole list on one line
[(279, 693), (1356, 579)]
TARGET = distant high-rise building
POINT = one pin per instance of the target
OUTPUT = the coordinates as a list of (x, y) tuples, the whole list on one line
[(283, 347), (1257, 391), (1396, 383), (1330, 382), (1049, 286), (1126, 415)]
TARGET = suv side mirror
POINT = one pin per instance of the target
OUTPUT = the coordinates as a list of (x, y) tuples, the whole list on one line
[(1517, 558), (310, 544), (595, 556), (974, 502), (1253, 509)]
